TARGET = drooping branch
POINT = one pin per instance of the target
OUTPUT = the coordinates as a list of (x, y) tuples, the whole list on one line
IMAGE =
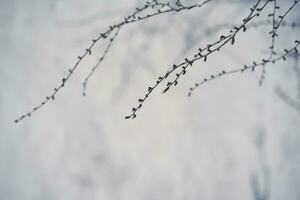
[(218, 27), (249, 68), (159, 9), (274, 34), (111, 40), (156, 8), (172, 76), (202, 54)]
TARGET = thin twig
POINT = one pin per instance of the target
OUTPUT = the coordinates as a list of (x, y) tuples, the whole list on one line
[(251, 67), (274, 34), (134, 17), (202, 54)]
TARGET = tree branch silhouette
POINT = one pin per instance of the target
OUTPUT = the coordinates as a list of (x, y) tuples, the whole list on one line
[(248, 68), (172, 76), (159, 9), (202, 54)]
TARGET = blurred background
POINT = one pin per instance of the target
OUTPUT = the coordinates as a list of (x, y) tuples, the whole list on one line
[(231, 140)]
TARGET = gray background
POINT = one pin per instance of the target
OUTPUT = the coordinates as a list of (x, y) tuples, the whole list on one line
[(209, 146)]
